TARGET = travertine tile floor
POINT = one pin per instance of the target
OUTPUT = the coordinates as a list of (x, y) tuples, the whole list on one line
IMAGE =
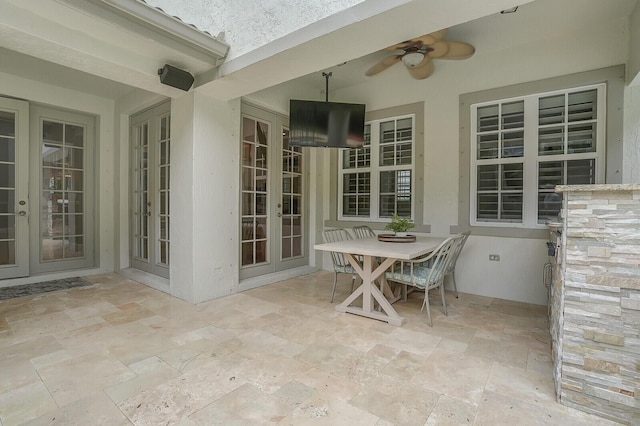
[(121, 353)]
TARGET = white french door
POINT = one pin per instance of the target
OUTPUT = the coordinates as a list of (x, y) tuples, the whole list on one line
[(151, 155), (273, 223), (14, 179)]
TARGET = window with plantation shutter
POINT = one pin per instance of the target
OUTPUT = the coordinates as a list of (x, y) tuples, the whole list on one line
[(522, 148), (376, 180)]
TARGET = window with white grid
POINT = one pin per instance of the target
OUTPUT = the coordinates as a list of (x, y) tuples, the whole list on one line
[(523, 147), (376, 181)]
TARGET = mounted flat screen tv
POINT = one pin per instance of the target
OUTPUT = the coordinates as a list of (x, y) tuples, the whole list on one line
[(326, 124)]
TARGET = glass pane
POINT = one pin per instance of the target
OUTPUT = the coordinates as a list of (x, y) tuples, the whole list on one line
[(247, 179), (261, 228), (297, 185), (404, 153), (549, 205), (551, 110), (403, 131), (364, 205), (487, 206), (7, 253), (297, 246), (286, 205), (388, 181), (7, 227), (261, 180), (551, 141), (74, 135), (487, 146), (248, 130), (286, 248), (7, 201), (261, 251), (487, 177), (512, 144), (74, 247), (163, 228), (263, 132), (247, 253), (349, 205), (512, 207), (513, 115), (582, 105), (164, 131), (296, 204), (581, 172), (387, 155), (74, 202), (7, 175), (247, 155), (163, 200), (286, 226), (163, 153), (52, 155), (512, 177), (247, 204), (74, 180), (74, 158), (350, 183), (7, 149), (487, 118), (52, 132), (387, 131), (7, 124), (349, 158), (550, 174), (247, 229), (261, 157), (296, 226), (261, 204), (581, 138), (387, 205)]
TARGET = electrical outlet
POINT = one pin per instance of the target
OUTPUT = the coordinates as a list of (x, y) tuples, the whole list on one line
[(495, 257)]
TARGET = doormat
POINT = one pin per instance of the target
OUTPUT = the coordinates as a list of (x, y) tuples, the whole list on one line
[(43, 287)]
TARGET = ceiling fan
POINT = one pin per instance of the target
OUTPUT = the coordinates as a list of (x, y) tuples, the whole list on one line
[(418, 53)]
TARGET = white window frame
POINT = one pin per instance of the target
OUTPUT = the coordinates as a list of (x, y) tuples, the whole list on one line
[(530, 158), (374, 170)]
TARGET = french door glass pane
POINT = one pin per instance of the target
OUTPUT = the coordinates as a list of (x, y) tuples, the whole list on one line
[(62, 220), (255, 193), (163, 146), (141, 192), (7, 189), (291, 235)]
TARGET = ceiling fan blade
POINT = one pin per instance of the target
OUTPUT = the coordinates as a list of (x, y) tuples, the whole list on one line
[(431, 38), (438, 49), (459, 50), (383, 65), (423, 70), (399, 46)]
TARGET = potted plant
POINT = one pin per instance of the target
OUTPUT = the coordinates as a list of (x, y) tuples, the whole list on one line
[(399, 225)]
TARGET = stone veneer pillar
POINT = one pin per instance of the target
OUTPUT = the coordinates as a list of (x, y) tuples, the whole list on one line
[(595, 302)]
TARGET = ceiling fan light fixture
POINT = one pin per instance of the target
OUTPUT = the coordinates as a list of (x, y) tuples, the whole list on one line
[(412, 59)]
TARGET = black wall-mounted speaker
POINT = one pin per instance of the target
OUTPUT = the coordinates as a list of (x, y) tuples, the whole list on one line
[(175, 77)]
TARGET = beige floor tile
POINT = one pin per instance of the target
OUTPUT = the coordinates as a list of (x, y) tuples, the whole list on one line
[(25, 403), (74, 379), (397, 401), (149, 373), (459, 375), (502, 351), (452, 412), (95, 410), (16, 374), (521, 384)]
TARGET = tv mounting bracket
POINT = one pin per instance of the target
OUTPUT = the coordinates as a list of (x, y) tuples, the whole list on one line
[(326, 76)]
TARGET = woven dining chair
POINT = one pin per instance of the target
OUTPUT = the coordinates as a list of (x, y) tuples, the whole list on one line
[(340, 263), (452, 265), (363, 231), (427, 272)]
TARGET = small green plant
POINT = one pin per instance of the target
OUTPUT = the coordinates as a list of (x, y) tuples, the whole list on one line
[(399, 224)]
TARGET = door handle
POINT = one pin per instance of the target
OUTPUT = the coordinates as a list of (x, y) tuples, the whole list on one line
[(22, 213), (279, 214)]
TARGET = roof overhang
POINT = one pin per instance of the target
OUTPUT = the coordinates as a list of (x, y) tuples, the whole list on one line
[(150, 22)]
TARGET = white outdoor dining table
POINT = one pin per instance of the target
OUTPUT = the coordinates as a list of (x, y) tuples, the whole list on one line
[(369, 270)]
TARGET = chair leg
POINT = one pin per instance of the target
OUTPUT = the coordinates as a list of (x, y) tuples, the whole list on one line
[(453, 278), (426, 303), (444, 302), (353, 282), (335, 281)]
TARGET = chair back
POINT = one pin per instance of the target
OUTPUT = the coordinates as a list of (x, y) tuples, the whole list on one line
[(340, 262), (457, 249), (427, 271), (363, 231)]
